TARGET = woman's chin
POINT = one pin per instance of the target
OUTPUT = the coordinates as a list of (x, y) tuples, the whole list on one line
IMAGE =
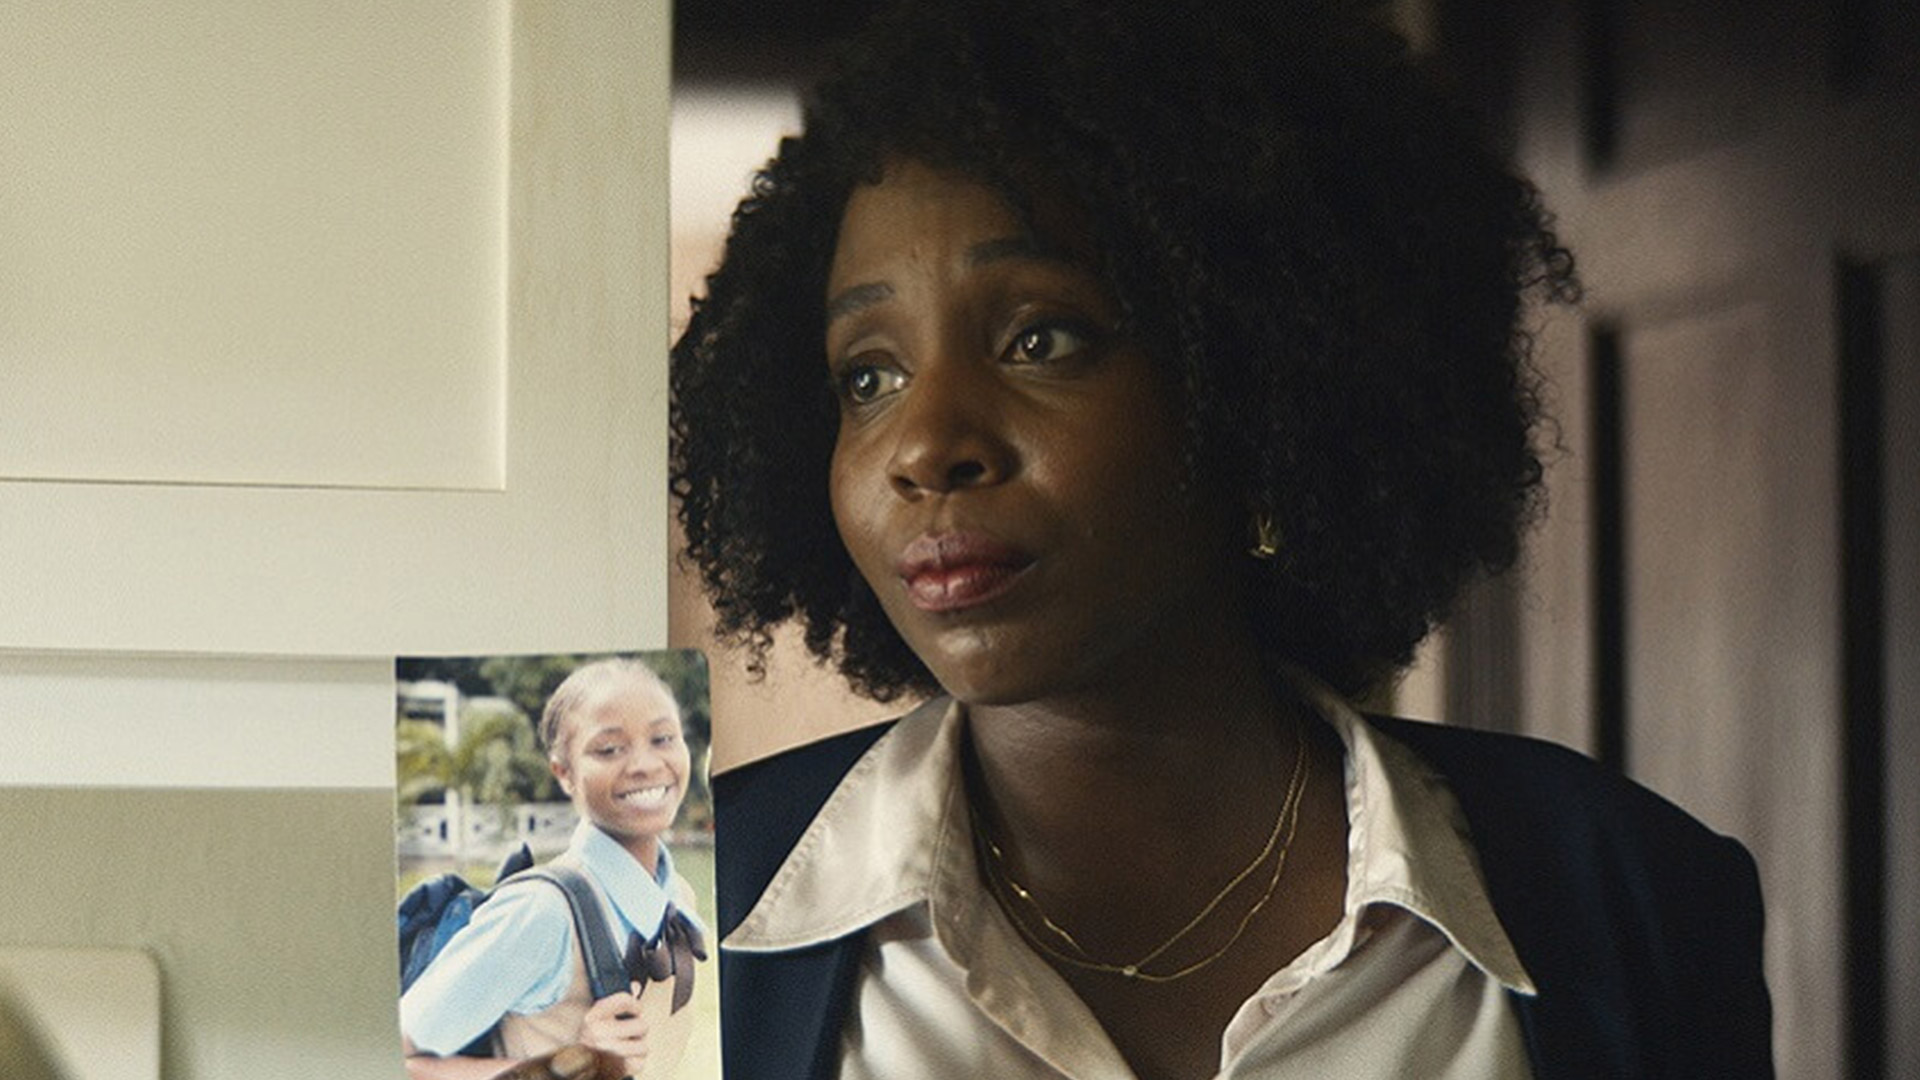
[(991, 681)]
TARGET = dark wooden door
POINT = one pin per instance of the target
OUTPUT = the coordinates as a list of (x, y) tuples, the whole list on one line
[(1724, 598)]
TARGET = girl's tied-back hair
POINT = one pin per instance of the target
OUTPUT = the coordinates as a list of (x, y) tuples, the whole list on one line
[(583, 688)]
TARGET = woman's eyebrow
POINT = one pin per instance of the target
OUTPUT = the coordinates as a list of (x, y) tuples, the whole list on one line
[(858, 298)]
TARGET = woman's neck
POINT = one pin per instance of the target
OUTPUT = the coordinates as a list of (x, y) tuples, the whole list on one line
[(1099, 799)]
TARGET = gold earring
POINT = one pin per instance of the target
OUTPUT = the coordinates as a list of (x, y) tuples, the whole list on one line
[(1266, 537)]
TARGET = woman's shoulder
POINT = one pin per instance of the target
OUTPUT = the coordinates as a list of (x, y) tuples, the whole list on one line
[(761, 809), (1630, 914), (828, 758), (1534, 784), (1571, 848), (781, 792)]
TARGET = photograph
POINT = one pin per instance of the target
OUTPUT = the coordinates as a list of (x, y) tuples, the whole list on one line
[(555, 865)]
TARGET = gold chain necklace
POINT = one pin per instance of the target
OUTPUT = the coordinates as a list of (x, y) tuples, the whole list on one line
[(1001, 883)]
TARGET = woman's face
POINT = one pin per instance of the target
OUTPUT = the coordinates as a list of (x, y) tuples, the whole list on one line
[(1007, 475)]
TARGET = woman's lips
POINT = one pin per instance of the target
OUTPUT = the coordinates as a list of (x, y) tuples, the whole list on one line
[(950, 571)]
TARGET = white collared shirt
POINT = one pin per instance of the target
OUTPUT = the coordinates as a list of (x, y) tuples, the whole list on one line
[(1412, 981)]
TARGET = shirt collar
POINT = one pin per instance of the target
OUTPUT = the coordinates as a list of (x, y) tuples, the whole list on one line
[(640, 899), (1407, 845), (895, 833), (871, 849)]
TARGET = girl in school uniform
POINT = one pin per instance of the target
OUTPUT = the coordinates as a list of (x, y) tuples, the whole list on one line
[(613, 735)]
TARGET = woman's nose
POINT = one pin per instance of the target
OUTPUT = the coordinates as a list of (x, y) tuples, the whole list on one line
[(949, 432)]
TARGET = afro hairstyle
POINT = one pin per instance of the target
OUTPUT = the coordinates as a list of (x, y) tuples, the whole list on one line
[(1317, 247)]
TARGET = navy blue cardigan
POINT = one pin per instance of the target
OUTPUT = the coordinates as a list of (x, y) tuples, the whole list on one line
[(1640, 927)]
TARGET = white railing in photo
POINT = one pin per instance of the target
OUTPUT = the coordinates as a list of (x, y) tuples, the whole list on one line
[(483, 833)]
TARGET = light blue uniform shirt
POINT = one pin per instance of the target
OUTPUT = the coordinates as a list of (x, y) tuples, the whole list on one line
[(516, 956)]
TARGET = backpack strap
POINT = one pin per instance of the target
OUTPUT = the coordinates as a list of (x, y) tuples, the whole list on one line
[(606, 972)]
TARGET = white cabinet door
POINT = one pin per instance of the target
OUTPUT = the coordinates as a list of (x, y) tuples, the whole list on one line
[(332, 328)]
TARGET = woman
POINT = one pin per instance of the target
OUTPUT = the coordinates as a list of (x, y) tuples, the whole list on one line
[(1142, 383)]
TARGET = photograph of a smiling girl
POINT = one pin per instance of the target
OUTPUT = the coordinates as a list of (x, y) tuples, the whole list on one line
[(555, 860)]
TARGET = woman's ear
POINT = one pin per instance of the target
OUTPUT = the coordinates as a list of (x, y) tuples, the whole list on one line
[(560, 773)]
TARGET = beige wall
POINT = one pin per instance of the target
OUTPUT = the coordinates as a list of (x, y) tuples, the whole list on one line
[(267, 912)]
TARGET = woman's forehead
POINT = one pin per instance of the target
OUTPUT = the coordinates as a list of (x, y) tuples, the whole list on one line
[(916, 210)]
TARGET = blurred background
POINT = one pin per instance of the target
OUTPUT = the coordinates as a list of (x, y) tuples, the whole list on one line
[(1724, 601)]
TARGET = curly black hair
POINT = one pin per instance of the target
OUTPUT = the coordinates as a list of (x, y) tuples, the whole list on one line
[(1311, 240)]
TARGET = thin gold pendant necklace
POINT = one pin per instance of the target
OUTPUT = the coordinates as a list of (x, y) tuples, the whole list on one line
[(1011, 895)]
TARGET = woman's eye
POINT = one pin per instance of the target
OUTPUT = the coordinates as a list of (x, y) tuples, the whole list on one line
[(862, 384), (1045, 341), (604, 751), (665, 740)]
